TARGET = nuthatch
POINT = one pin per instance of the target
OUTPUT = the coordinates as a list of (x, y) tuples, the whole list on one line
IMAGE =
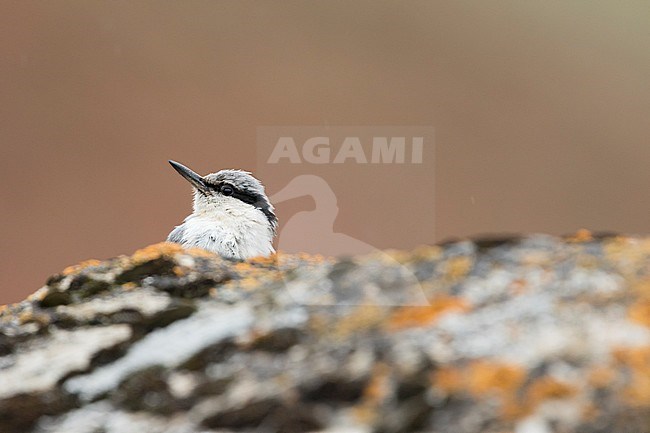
[(232, 215)]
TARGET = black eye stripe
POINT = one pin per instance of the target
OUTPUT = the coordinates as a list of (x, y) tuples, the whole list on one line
[(246, 197), (218, 187), (250, 198)]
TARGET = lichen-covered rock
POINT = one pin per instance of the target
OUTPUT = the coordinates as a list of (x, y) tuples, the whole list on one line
[(528, 335)]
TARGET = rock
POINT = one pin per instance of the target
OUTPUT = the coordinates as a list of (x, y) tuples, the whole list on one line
[(531, 334)]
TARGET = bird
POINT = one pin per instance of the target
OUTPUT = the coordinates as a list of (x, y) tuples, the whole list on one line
[(232, 216)]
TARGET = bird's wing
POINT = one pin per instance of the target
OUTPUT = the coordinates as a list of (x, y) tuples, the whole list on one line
[(176, 235)]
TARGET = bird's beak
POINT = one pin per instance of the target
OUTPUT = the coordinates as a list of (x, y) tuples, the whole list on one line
[(192, 177)]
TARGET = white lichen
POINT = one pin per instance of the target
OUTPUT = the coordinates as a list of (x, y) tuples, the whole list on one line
[(166, 347), (43, 363)]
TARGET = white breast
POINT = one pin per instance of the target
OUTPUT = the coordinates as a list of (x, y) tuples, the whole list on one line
[(236, 231)]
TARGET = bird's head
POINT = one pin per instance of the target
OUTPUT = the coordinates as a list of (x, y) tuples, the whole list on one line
[(227, 188)]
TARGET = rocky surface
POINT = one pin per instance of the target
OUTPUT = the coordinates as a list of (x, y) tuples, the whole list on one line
[(530, 335)]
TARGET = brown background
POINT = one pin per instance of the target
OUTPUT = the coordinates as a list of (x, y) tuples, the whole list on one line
[(541, 112)]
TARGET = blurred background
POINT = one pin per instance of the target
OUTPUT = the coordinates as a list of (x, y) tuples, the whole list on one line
[(541, 112)]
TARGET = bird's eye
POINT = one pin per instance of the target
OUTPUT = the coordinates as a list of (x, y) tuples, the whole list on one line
[(227, 190)]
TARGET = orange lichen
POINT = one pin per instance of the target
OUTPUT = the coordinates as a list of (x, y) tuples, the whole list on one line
[(265, 260), (638, 393), (378, 387), (25, 317), (547, 388), (588, 261), (303, 259), (582, 235), (309, 257), (482, 379), (200, 252), (642, 287), (640, 312), (590, 411), (448, 380), (535, 258), (514, 407), (400, 256), (243, 267), (601, 376), (427, 252), (408, 317), (541, 390), (364, 414), (78, 267), (628, 255), (156, 251), (637, 359), (250, 274), (248, 283), (29, 317), (129, 286), (361, 318), (178, 271), (374, 394), (458, 267), (318, 322), (485, 377)]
